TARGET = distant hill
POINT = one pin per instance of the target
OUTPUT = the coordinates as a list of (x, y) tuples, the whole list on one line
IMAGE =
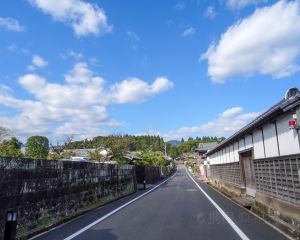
[(175, 143)]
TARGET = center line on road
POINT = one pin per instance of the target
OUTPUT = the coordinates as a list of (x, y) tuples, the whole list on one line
[(116, 210), (226, 217)]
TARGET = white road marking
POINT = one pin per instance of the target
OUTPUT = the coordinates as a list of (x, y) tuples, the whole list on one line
[(228, 219), (116, 210)]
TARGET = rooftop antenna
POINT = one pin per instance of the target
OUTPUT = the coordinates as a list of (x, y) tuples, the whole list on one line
[(291, 92)]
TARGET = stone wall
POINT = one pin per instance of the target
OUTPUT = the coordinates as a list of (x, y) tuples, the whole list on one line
[(44, 192)]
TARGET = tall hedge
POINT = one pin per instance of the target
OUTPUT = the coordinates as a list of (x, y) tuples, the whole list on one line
[(37, 147)]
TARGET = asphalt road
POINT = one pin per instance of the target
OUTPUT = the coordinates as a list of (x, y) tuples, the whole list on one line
[(177, 209)]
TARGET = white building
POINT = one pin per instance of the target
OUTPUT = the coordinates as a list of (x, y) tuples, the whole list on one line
[(262, 160)]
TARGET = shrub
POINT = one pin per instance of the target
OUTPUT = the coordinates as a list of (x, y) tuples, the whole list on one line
[(37, 147)]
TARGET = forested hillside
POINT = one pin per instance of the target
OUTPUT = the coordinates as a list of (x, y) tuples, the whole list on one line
[(121, 142)]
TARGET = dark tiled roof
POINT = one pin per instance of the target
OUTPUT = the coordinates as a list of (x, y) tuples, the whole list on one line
[(131, 156), (206, 146)]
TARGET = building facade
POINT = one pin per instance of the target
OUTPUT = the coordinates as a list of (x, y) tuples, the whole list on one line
[(262, 160), (201, 150)]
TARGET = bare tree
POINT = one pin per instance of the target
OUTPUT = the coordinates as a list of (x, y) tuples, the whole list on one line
[(4, 133), (67, 139)]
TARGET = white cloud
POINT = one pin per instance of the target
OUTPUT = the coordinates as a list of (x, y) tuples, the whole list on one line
[(85, 18), (227, 122), (134, 90), (5, 90), (267, 42), (81, 74), (77, 56), (11, 24), (77, 106), (14, 48), (231, 112), (133, 36), (37, 62), (239, 4), (189, 32), (179, 6), (210, 12)]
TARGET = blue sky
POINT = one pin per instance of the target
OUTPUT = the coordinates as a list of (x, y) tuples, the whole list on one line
[(174, 68)]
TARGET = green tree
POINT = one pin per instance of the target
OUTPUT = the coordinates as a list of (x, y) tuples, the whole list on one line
[(172, 151), (121, 160), (37, 147), (152, 158), (96, 156), (53, 156), (10, 148)]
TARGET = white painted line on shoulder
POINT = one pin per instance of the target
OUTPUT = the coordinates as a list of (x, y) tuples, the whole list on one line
[(116, 210), (226, 217)]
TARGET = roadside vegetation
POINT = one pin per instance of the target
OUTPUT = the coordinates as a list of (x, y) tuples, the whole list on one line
[(149, 150)]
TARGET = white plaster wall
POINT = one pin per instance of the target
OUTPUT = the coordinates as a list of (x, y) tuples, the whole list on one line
[(270, 140), (213, 156), (236, 152), (258, 145), (241, 144), (223, 155), (211, 160), (248, 140), (287, 138), (227, 154), (231, 153)]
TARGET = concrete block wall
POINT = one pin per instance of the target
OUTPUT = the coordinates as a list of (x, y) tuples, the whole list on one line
[(45, 192)]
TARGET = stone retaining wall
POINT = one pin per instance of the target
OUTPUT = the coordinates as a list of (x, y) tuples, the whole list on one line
[(47, 192)]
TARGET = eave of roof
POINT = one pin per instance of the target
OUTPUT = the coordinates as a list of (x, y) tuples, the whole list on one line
[(201, 150), (282, 106)]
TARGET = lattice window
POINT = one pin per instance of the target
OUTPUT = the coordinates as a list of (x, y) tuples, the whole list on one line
[(279, 177), (229, 172)]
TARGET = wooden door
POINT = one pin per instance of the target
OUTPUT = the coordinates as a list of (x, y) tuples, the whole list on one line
[(248, 173)]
